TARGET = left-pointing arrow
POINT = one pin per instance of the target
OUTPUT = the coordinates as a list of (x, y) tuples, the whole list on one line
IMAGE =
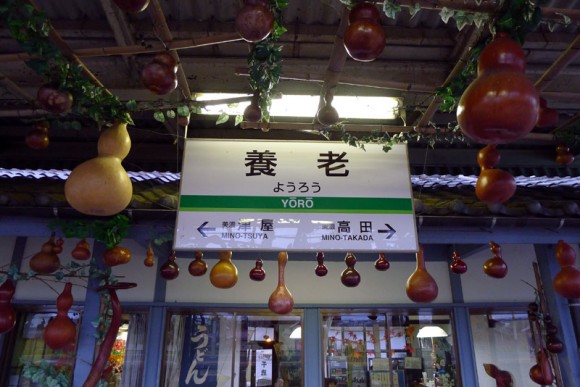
[(202, 229)]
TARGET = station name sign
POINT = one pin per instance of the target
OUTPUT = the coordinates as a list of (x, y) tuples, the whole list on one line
[(294, 196)]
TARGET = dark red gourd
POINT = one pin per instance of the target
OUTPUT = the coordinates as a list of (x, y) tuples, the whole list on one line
[(421, 286), (381, 264), (61, 331), (495, 267), (46, 261), (321, 270), (458, 266), (169, 270), (7, 313), (350, 277), (257, 273), (198, 266)]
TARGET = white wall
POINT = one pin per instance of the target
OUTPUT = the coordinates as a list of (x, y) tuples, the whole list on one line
[(479, 287)]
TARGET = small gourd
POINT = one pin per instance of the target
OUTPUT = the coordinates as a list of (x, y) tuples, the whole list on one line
[(82, 250), (321, 269), (458, 266), (61, 331), (381, 264), (281, 300), (224, 274), (257, 273), (567, 281), (101, 186), (421, 286), (169, 270), (327, 115), (7, 313), (495, 267), (149, 257), (350, 277), (198, 266), (46, 261)]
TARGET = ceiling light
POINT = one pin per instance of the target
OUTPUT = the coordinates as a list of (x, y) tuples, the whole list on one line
[(431, 331), (348, 107)]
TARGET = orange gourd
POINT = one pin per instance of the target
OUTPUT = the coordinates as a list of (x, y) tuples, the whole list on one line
[(281, 301), (149, 257), (567, 281), (421, 287), (82, 250), (101, 186), (117, 256), (224, 274), (61, 331), (46, 261)]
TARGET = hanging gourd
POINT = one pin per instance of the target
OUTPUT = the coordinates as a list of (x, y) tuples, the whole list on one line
[(458, 266), (547, 117), (541, 373), (61, 331), (254, 21), (281, 300), (327, 115), (198, 266), (224, 274), (495, 267), (149, 260), (257, 273), (82, 250), (567, 281), (117, 256), (350, 277), (364, 37), (101, 186), (494, 185), (46, 261), (38, 138), (169, 270), (382, 264), (321, 270), (421, 287), (501, 105), (253, 112), (7, 313), (563, 155)]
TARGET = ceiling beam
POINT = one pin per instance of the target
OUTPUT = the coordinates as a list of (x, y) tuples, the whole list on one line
[(563, 61), (121, 30)]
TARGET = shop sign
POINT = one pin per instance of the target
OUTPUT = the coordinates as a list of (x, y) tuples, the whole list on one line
[(200, 356), (294, 196)]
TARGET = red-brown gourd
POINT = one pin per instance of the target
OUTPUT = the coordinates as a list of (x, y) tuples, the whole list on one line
[(563, 155), (198, 266), (224, 274), (364, 38), (502, 378), (257, 273), (101, 186), (567, 281), (254, 21), (458, 266), (46, 261), (321, 270), (169, 270), (7, 313), (495, 267), (82, 250), (382, 264), (281, 301), (117, 256), (350, 277), (38, 138), (494, 185), (501, 105), (421, 286), (61, 331), (541, 373)]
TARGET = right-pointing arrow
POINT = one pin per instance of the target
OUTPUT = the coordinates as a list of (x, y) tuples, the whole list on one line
[(390, 232)]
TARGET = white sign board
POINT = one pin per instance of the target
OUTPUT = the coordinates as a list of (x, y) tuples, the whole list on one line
[(294, 196)]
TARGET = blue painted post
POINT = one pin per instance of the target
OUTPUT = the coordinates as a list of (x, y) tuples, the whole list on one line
[(312, 347), (560, 313), (91, 311)]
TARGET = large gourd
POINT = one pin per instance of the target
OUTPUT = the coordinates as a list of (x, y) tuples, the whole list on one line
[(101, 186), (61, 331), (281, 300), (421, 287)]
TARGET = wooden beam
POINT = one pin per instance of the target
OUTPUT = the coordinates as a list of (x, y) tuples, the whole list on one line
[(16, 90), (117, 20), (563, 61), (470, 39)]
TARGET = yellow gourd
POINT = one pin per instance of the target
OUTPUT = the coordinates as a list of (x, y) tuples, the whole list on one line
[(101, 186)]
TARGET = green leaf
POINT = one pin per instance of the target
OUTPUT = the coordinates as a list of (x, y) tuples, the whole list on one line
[(223, 117), (158, 116), (239, 119), (446, 14), (414, 9), (131, 105), (391, 8), (170, 113)]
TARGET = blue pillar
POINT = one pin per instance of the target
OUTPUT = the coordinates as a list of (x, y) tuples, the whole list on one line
[(312, 347), (87, 341), (560, 313)]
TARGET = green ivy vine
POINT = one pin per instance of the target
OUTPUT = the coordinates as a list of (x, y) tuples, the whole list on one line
[(110, 232), (30, 28)]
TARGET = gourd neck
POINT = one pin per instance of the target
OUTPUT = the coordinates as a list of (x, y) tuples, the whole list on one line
[(282, 260), (421, 260)]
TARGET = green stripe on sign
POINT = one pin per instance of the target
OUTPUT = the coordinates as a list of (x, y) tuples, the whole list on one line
[(295, 204)]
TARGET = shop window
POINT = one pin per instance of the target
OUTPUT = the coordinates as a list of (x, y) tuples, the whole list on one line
[(29, 353), (388, 349), (125, 365), (503, 341), (229, 349)]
